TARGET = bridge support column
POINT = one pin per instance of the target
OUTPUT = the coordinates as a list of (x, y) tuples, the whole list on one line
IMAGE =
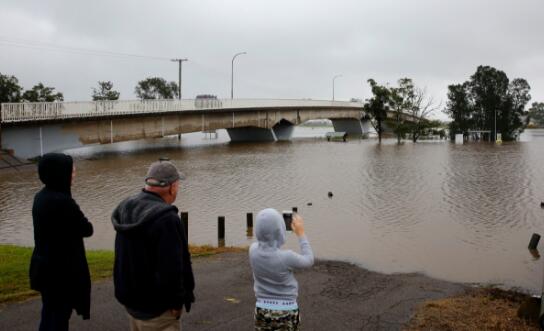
[(284, 130), (251, 134), (351, 126)]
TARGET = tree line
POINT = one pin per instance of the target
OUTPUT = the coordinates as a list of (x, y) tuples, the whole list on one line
[(149, 88)]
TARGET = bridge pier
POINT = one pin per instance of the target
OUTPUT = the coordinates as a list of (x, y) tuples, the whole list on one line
[(31, 141), (284, 130), (351, 126), (253, 134)]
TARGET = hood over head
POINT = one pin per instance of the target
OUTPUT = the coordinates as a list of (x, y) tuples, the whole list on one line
[(55, 171), (270, 228), (138, 210)]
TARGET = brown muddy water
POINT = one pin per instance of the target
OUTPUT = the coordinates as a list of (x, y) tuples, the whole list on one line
[(457, 212)]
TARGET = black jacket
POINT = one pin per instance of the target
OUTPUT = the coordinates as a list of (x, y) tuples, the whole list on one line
[(58, 267), (152, 271)]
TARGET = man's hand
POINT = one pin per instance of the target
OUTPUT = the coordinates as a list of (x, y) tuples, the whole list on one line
[(176, 312), (297, 225)]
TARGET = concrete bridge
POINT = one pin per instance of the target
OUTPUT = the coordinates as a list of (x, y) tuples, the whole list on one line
[(32, 129)]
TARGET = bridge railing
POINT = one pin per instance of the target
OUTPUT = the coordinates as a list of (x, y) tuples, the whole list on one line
[(36, 111)]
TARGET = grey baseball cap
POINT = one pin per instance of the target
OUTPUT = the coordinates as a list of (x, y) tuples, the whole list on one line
[(162, 173)]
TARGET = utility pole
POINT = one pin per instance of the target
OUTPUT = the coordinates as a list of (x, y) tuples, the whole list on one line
[(232, 74), (180, 61)]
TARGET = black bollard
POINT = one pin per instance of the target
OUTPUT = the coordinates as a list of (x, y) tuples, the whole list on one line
[(185, 222), (295, 209), (534, 241), (330, 194), (309, 204), (542, 204), (249, 223), (249, 220), (221, 230)]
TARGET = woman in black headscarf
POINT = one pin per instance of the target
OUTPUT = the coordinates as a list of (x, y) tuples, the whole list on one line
[(58, 268)]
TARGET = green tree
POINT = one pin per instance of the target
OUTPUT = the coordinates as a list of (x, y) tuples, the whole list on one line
[(156, 88), (105, 92), (377, 106), (41, 93), (488, 98), (536, 114), (459, 109), (402, 100), (10, 91)]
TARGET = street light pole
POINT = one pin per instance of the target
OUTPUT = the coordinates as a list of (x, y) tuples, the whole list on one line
[(232, 74), (333, 79), (180, 61)]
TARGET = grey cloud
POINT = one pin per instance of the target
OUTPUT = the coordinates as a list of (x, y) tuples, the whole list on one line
[(294, 47)]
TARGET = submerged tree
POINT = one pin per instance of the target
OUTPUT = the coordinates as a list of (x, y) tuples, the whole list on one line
[(422, 107), (488, 101), (105, 92), (156, 88), (377, 106), (41, 93), (402, 99)]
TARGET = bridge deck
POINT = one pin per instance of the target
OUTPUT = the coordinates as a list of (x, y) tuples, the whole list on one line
[(47, 111)]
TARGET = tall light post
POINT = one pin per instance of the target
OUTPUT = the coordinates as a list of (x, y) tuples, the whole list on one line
[(333, 79), (180, 61), (232, 74)]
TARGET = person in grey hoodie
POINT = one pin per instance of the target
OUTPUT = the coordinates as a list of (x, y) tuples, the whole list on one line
[(275, 286)]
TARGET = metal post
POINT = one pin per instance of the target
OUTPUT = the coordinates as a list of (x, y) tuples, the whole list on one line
[(221, 231), (495, 125), (333, 79), (180, 62), (232, 74), (185, 223)]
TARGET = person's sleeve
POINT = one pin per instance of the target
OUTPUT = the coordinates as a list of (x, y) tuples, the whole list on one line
[(82, 225), (170, 261), (303, 260)]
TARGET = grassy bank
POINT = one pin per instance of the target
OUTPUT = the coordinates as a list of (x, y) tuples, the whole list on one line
[(15, 260), (478, 309)]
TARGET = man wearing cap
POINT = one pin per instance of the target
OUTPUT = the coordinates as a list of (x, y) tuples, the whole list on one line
[(152, 275)]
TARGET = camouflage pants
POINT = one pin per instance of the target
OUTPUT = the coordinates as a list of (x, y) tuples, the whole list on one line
[(276, 320)]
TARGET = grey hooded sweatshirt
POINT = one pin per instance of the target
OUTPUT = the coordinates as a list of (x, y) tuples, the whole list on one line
[(272, 267)]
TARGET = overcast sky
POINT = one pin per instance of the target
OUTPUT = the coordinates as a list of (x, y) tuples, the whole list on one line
[(294, 47)]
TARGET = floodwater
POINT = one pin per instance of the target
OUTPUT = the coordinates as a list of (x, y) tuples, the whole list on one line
[(457, 212)]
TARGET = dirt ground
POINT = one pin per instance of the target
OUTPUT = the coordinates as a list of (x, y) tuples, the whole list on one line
[(332, 296)]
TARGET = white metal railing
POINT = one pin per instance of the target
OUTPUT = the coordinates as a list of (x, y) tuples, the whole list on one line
[(36, 111)]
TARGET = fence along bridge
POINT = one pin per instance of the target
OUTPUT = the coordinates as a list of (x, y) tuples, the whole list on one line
[(32, 129)]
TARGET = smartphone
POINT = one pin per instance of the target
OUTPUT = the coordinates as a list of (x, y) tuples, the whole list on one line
[(288, 219)]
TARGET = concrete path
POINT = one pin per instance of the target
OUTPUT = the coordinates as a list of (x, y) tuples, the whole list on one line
[(333, 296)]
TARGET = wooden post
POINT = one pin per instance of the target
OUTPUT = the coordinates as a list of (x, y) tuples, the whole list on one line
[(249, 220), (534, 241), (221, 231), (185, 222), (249, 223)]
